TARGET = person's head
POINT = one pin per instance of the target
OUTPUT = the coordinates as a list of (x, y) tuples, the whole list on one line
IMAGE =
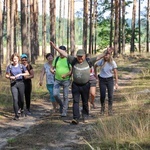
[(15, 58), (108, 57), (49, 57), (24, 59), (62, 48), (80, 55)]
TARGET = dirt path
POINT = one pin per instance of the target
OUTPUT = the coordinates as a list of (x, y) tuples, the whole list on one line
[(43, 125)]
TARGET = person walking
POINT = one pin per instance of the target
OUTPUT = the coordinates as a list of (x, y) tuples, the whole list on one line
[(15, 73), (62, 70), (93, 82), (106, 80), (80, 84), (27, 82), (49, 79)]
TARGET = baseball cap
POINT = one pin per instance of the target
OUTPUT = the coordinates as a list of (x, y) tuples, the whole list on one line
[(62, 47), (80, 52), (24, 56)]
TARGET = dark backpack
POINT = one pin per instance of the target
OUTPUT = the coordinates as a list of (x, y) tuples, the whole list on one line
[(87, 59)]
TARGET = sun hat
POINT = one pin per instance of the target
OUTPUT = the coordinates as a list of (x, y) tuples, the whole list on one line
[(80, 52)]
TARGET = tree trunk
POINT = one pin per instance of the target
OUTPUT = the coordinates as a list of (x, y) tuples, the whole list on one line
[(44, 28), (52, 23), (133, 26), (85, 25), (68, 26), (139, 26), (35, 16), (8, 32), (24, 26), (32, 32), (60, 23), (120, 27), (111, 23), (148, 18), (90, 29), (28, 29), (72, 28), (116, 34), (1, 37), (12, 26), (15, 25), (123, 26)]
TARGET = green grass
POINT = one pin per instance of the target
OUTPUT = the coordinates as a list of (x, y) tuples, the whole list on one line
[(129, 129)]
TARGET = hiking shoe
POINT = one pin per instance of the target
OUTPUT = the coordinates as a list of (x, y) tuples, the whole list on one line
[(16, 118), (19, 111), (75, 121), (28, 112), (22, 113), (64, 114), (85, 118)]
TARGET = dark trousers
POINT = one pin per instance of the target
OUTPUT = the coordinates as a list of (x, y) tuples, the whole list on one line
[(106, 84), (83, 91), (17, 90), (28, 89)]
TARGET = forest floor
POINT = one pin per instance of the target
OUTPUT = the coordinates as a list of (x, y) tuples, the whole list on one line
[(46, 130)]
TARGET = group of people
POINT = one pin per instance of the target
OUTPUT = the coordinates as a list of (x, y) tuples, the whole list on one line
[(82, 69), (20, 75)]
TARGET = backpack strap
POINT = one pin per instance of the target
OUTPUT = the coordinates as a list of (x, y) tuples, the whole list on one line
[(87, 59), (56, 61), (89, 62)]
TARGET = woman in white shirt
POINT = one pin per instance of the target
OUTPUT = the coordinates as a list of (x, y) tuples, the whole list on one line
[(106, 77)]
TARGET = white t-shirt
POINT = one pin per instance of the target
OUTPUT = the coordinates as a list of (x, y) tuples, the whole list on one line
[(107, 69), (49, 75)]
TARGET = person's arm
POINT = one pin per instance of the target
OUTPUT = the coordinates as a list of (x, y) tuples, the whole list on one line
[(26, 73), (31, 75), (64, 53), (116, 78), (95, 70), (42, 76), (108, 51), (52, 70), (8, 76)]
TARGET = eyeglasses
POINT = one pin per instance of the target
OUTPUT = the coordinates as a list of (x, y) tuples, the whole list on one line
[(23, 60)]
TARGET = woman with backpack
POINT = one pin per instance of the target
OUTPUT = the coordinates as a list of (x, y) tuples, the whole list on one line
[(27, 82), (15, 73)]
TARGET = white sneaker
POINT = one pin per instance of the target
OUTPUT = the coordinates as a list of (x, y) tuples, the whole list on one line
[(63, 114)]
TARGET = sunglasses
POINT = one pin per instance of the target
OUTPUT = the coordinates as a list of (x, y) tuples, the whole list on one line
[(23, 60)]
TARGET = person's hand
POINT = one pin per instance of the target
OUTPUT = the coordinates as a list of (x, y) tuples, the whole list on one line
[(64, 76), (110, 50), (52, 44), (12, 78), (53, 71), (26, 77), (18, 75), (116, 86)]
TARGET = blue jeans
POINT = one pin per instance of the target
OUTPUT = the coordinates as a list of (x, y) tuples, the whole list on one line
[(63, 104), (50, 89), (106, 83)]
